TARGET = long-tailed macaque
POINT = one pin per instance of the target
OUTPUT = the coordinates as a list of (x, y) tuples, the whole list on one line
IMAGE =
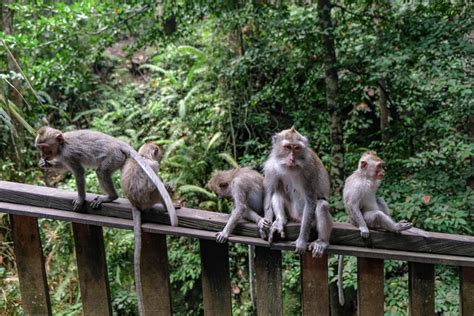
[(245, 187), (81, 149), (365, 209), (297, 186), (142, 194)]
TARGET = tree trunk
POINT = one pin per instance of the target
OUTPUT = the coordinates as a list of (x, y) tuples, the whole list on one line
[(382, 83), (330, 64)]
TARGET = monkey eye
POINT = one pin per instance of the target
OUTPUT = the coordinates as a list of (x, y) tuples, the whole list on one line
[(288, 147), (223, 185), (296, 148)]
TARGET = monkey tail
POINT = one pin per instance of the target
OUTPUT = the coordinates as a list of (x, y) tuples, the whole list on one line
[(137, 235), (340, 286), (158, 183)]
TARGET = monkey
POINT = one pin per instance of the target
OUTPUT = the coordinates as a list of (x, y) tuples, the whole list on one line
[(297, 181), (365, 209), (142, 194), (245, 187), (81, 149)]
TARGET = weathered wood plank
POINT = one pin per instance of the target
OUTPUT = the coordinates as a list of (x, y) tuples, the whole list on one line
[(314, 285), (30, 264), (155, 275), (370, 291), (215, 278), (92, 268), (203, 234), (421, 289), (268, 277), (466, 291), (343, 234)]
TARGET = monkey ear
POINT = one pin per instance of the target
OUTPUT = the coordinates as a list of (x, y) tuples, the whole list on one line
[(60, 138), (274, 139), (363, 164)]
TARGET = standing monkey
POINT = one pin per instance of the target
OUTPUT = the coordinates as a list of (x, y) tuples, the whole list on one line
[(245, 187), (142, 194), (81, 149), (365, 209), (296, 181)]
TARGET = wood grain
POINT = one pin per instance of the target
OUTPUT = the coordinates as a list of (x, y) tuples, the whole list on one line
[(466, 291), (343, 234), (30, 264), (421, 289), (314, 285), (370, 291), (268, 277)]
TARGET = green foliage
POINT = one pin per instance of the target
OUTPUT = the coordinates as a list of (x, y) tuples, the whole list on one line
[(213, 90)]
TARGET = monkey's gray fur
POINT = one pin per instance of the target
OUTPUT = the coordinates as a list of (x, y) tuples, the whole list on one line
[(297, 186), (245, 187), (81, 149)]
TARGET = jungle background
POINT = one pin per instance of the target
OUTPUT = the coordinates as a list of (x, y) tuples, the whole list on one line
[(212, 81)]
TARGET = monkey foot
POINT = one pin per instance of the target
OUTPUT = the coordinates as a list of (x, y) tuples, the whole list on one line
[(96, 202), (364, 232), (300, 246), (44, 164), (221, 238), (403, 225), (77, 204), (263, 233), (277, 227), (317, 248)]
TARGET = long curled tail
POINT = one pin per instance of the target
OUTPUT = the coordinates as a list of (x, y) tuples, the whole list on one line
[(340, 286), (158, 183)]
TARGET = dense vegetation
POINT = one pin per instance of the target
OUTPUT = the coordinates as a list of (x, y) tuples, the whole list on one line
[(211, 82)]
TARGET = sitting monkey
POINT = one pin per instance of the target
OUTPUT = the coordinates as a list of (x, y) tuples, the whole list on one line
[(245, 187)]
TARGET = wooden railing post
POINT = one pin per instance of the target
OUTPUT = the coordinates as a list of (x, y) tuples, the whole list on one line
[(314, 285), (215, 278), (370, 291), (155, 275), (466, 291), (30, 264), (92, 268), (268, 276), (421, 289)]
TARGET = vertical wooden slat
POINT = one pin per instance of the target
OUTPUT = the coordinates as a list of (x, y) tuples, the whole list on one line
[(421, 289), (30, 264), (92, 268), (215, 278), (268, 275), (314, 285), (370, 292), (466, 290), (155, 275)]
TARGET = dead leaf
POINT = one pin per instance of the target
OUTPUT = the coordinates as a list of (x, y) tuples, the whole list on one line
[(426, 199), (235, 289)]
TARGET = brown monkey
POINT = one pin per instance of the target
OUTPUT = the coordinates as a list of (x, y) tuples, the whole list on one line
[(365, 209), (142, 194), (296, 181), (81, 149), (245, 187)]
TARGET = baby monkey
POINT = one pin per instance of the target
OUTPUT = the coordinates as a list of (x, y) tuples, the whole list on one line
[(142, 194), (365, 209), (245, 187)]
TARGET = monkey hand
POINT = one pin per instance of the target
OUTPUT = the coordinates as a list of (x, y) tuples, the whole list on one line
[(264, 223), (278, 227), (77, 204), (364, 232), (403, 225), (44, 164), (222, 237), (300, 246), (263, 233), (317, 248)]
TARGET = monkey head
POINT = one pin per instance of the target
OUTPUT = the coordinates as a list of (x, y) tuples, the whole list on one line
[(151, 151), (221, 182), (289, 147), (48, 142), (371, 165)]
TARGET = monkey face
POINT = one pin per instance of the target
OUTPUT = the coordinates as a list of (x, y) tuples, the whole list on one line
[(373, 168), (290, 147), (48, 151), (151, 151)]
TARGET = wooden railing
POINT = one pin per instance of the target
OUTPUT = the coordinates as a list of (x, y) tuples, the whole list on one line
[(26, 203)]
